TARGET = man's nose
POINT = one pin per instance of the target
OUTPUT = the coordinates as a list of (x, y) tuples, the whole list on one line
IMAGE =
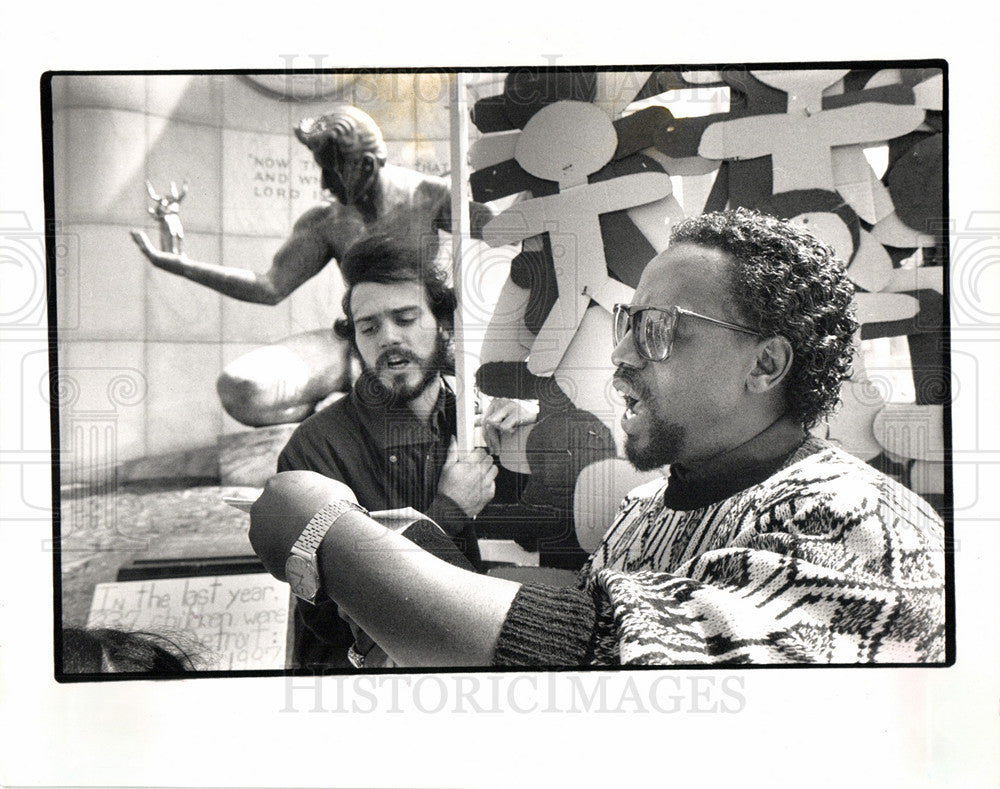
[(390, 335), (624, 353)]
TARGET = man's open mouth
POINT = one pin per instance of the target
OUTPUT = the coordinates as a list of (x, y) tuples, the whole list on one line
[(630, 396), (395, 361)]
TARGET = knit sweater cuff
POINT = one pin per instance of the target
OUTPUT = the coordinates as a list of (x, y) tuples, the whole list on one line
[(547, 626)]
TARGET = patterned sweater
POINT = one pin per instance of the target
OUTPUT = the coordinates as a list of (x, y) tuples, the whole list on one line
[(825, 561)]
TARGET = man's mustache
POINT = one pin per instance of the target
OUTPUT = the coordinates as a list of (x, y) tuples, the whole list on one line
[(382, 362), (630, 378)]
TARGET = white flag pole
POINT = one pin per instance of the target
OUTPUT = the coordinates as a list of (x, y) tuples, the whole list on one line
[(460, 232)]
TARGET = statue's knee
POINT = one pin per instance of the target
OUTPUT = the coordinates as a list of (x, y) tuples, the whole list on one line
[(256, 402), (241, 397), (282, 383)]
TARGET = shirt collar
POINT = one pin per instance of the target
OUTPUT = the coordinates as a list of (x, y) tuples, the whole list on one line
[(395, 426), (735, 469)]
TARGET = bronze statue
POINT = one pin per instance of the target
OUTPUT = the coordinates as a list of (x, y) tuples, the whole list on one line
[(369, 196), (167, 212)]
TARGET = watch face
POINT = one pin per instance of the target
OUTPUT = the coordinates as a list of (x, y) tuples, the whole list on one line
[(302, 577)]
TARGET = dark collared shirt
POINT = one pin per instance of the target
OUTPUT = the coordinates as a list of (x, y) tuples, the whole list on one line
[(388, 456), (390, 459)]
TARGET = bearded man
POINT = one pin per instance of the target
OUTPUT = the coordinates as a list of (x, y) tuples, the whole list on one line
[(765, 544), (392, 438), (364, 195)]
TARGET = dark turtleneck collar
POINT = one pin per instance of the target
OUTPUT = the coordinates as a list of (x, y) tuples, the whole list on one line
[(735, 469)]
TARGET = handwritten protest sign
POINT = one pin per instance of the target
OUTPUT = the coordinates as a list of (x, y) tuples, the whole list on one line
[(235, 622)]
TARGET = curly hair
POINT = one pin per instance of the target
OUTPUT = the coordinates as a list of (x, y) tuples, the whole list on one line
[(385, 260), (786, 282)]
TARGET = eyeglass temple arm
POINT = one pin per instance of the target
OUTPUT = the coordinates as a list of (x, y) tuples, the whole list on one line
[(727, 324)]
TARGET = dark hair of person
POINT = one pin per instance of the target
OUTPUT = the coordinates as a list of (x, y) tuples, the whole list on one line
[(106, 650), (786, 282), (385, 260)]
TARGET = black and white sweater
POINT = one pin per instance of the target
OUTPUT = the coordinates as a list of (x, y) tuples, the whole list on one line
[(826, 560)]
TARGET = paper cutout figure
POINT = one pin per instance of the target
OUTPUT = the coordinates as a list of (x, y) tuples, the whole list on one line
[(873, 309), (887, 94), (630, 237), (927, 84), (811, 128), (890, 231), (858, 184), (929, 93), (748, 181), (824, 214), (703, 78), (799, 141), (615, 90), (677, 139), (565, 142), (600, 489), (505, 179), (634, 235), (577, 375), (662, 81), (871, 268), (493, 149), (526, 91), (853, 176), (915, 183), (850, 426), (897, 314), (916, 278), (563, 442)]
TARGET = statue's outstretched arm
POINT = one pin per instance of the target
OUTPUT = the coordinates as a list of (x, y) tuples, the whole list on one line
[(302, 256)]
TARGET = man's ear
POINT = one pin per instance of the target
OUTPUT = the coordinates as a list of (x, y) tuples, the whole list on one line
[(773, 361)]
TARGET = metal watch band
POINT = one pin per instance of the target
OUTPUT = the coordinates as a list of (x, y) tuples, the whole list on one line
[(320, 524)]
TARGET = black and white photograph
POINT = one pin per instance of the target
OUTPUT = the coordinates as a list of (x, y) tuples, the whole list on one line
[(654, 357), (472, 397)]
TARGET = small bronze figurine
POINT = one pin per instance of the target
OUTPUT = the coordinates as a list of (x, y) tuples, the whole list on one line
[(167, 213)]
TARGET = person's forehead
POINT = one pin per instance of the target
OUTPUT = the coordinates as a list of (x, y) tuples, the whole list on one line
[(686, 275), (373, 299)]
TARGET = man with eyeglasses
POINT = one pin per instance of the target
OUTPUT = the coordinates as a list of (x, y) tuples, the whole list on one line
[(763, 545)]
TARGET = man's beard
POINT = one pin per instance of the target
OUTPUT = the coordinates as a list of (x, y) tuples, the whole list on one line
[(661, 447), (398, 391), (663, 442)]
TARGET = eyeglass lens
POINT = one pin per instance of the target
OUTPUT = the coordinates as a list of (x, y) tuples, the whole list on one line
[(652, 331)]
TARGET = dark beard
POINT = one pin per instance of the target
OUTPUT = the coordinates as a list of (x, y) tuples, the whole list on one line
[(661, 448), (399, 393), (665, 440)]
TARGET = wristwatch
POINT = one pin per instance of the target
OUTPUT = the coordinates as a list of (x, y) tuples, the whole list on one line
[(301, 567)]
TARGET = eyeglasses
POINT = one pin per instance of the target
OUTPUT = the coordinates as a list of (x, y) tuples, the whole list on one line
[(653, 328)]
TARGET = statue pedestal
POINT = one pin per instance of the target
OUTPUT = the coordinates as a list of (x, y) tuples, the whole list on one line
[(250, 458)]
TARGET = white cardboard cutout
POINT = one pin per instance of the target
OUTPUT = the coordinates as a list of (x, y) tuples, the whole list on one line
[(800, 140), (567, 141), (880, 307), (871, 267)]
